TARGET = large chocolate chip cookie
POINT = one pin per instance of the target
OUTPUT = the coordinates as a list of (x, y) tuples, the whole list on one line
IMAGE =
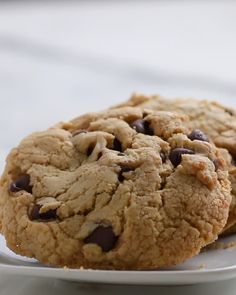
[(121, 189)]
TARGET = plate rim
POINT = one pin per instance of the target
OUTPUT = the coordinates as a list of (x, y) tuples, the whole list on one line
[(162, 277), (126, 277)]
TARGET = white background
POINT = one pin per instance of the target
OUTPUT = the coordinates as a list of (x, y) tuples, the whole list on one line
[(58, 60)]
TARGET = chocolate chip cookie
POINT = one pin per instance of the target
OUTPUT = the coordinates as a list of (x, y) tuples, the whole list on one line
[(120, 189), (214, 119)]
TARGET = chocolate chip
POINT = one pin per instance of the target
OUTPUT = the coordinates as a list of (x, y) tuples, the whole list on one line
[(34, 214), (149, 130), (77, 132), (141, 126), (121, 154), (198, 135), (176, 155), (117, 146), (22, 183), (50, 214), (103, 236), (124, 169), (121, 177), (163, 157)]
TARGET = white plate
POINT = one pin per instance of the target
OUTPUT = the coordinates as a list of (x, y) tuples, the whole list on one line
[(209, 266)]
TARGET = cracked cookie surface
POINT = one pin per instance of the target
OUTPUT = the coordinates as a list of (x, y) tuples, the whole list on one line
[(120, 189), (216, 120)]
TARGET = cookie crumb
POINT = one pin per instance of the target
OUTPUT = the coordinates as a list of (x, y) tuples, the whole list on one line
[(202, 266)]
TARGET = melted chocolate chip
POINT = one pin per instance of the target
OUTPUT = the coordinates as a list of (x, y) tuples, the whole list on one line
[(141, 126), (22, 183), (176, 155), (103, 236), (35, 215), (124, 169), (117, 146), (77, 132), (198, 135)]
